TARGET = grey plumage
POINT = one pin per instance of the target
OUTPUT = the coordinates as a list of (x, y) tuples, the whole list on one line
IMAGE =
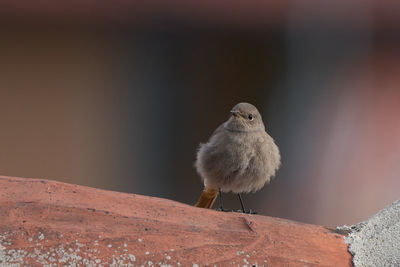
[(240, 156)]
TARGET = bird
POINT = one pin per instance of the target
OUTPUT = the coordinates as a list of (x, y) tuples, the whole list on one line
[(240, 157)]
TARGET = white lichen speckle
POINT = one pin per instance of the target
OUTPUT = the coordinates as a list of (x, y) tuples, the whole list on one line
[(240, 252), (60, 254), (139, 240), (41, 236), (132, 257), (109, 246), (147, 253), (168, 257)]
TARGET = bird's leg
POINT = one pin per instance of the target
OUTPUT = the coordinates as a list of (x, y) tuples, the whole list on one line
[(221, 208), (243, 209), (241, 203), (220, 200)]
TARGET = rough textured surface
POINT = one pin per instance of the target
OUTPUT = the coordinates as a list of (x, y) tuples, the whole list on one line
[(376, 242), (47, 223)]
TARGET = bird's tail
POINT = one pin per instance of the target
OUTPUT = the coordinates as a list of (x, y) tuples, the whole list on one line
[(207, 198)]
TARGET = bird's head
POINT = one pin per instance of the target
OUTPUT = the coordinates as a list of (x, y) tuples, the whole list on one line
[(245, 117)]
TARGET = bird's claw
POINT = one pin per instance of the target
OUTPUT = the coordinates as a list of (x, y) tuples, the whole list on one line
[(224, 210), (247, 211)]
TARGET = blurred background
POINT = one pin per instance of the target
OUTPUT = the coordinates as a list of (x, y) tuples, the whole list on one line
[(119, 94)]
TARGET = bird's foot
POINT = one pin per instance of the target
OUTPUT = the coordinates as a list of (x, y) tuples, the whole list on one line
[(252, 212), (247, 211), (224, 210)]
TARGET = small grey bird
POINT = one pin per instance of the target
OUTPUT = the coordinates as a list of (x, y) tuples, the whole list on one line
[(239, 157)]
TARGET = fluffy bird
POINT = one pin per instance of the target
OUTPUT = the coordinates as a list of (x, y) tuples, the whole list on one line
[(240, 157)]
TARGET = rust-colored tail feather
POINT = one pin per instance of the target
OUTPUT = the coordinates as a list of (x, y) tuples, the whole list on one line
[(207, 198)]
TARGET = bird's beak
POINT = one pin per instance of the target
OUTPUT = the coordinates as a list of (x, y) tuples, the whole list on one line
[(235, 113)]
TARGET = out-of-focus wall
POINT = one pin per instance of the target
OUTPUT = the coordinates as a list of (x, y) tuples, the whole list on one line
[(124, 106)]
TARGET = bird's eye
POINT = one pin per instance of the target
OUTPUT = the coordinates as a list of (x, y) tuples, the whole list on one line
[(251, 117)]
